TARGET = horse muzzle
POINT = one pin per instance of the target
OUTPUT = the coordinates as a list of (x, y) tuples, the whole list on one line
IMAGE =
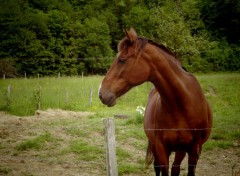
[(108, 98)]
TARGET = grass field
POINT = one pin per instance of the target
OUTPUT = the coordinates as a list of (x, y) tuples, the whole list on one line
[(64, 93), (221, 89), (81, 139)]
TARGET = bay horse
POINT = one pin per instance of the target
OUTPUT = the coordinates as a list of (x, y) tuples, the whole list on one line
[(177, 118)]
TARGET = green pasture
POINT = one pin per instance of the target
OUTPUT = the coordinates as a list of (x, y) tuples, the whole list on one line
[(81, 94), (85, 138), (69, 93)]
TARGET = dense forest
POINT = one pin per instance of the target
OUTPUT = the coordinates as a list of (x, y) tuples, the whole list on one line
[(48, 37)]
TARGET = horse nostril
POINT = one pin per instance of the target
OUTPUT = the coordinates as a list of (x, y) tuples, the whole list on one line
[(107, 97)]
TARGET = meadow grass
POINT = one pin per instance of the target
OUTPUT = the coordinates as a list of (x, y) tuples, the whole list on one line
[(36, 143), (223, 92), (64, 93), (73, 93), (83, 138)]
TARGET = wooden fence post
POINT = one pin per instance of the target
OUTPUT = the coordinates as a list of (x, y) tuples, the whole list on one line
[(8, 96), (82, 74), (90, 97), (8, 91), (39, 97), (111, 158)]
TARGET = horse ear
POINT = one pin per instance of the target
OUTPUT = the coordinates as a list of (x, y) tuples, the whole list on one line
[(131, 35)]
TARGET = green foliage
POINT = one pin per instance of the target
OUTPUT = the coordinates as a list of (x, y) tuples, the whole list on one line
[(48, 36), (222, 22), (222, 18), (7, 68)]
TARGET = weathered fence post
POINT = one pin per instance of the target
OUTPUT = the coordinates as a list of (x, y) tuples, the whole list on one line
[(39, 97), (66, 97), (90, 97), (111, 159), (3, 76), (9, 91), (8, 96)]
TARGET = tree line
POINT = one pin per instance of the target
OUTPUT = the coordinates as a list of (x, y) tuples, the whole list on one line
[(74, 36)]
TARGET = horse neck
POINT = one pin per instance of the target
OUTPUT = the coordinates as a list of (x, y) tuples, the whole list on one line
[(169, 79)]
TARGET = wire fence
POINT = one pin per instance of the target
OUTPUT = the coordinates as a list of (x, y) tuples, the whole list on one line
[(232, 169), (203, 169)]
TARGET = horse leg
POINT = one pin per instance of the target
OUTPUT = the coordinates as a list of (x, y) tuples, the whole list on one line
[(152, 150), (156, 168), (162, 158), (193, 159), (177, 162)]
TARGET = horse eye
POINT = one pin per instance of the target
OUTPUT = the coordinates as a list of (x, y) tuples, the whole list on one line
[(121, 60)]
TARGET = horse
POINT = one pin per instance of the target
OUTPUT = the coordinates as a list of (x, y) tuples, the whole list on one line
[(177, 117)]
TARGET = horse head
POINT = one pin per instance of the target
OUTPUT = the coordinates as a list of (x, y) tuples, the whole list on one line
[(129, 69)]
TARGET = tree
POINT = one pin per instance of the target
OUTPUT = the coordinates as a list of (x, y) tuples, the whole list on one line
[(70, 36), (222, 20), (95, 43)]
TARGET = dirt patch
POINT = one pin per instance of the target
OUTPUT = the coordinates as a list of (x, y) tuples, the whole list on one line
[(53, 159), (58, 113), (217, 162)]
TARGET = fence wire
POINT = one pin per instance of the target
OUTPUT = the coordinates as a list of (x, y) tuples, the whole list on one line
[(205, 169)]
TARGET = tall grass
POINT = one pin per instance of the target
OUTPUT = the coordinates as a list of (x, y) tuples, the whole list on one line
[(56, 140), (64, 93), (221, 89)]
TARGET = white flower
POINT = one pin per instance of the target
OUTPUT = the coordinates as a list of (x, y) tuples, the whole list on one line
[(141, 110)]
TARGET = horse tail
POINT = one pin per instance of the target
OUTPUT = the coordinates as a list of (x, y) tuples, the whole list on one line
[(149, 155), (210, 121)]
